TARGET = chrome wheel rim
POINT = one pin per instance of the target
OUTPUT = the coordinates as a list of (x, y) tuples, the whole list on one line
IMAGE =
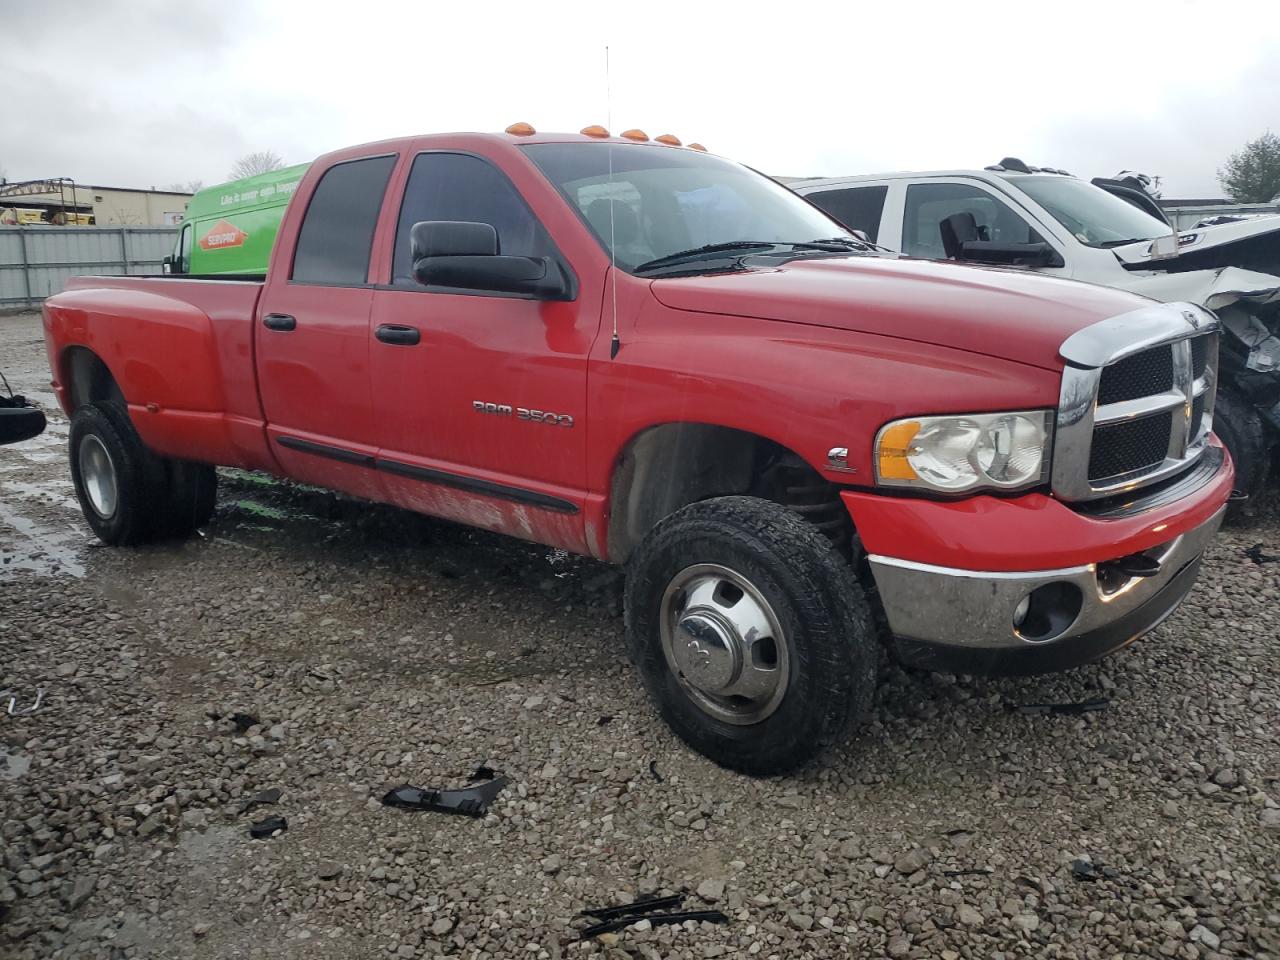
[(724, 644), (98, 474)]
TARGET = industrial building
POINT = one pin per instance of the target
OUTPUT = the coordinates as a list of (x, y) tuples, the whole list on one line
[(61, 201)]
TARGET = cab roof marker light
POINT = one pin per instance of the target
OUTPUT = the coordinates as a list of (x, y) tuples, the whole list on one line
[(520, 129), (595, 130), (670, 139), (638, 135), (697, 146)]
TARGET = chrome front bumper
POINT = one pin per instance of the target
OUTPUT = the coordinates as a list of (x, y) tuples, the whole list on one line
[(937, 610)]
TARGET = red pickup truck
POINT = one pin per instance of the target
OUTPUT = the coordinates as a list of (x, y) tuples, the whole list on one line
[(644, 353)]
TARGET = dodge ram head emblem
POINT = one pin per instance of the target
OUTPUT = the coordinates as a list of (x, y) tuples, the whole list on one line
[(1192, 318)]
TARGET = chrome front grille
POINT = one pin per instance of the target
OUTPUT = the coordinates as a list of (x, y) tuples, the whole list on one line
[(1137, 400)]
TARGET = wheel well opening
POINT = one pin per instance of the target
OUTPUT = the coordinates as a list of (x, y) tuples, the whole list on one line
[(676, 464), (88, 379)]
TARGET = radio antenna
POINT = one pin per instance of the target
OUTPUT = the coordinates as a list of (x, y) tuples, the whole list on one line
[(615, 344)]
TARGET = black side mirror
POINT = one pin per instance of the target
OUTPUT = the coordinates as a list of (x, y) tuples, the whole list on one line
[(166, 265), (1010, 254), (462, 255), (957, 229)]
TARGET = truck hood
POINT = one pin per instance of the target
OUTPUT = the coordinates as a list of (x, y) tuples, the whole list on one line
[(1250, 244), (1011, 314)]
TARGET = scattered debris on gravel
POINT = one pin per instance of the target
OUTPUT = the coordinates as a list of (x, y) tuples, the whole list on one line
[(310, 653)]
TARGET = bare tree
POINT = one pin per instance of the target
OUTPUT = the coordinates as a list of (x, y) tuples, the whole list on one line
[(191, 186), (252, 164)]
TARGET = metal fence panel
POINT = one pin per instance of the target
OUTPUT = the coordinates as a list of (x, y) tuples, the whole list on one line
[(36, 262)]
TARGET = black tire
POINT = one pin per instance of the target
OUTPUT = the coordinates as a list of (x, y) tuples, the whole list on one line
[(190, 496), (137, 492), (828, 630), (1240, 428)]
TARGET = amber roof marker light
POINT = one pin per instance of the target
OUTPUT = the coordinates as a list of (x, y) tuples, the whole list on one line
[(595, 130), (520, 129), (637, 135), (670, 139), (697, 146)]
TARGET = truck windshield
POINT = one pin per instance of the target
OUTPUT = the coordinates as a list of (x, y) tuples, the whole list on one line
[(660, 201), (1095, 217)]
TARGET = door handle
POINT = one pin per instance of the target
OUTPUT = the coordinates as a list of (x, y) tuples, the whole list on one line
[(279, 321), (398, 335)]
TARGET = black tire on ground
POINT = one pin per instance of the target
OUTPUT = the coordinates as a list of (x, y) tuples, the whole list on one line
[(1243, 433), (192, 492), (121, 511), (829, 641)]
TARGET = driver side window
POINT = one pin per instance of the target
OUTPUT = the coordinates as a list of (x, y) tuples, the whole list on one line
[(928, 204), (457, 186)]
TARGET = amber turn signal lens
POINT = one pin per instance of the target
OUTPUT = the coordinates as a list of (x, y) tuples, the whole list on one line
[(892, 451), (635, 135), (670, 139), (595, 130), (521, 129)]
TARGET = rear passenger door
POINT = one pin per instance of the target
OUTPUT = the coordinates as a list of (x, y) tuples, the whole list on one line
[(312, 334)]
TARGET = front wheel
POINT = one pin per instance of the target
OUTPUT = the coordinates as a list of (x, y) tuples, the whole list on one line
[(751, 633), (1242, 431)]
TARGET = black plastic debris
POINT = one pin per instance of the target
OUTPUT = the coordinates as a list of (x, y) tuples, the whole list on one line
[(271, 795), (970, 872), (1039, 709), (1084, 870), (653, 768), (243, 721), (268, 827), (653, 909), (482, 772), (604, 720), (1255, 554), (643, 905), (470, 801), (1087, 870)]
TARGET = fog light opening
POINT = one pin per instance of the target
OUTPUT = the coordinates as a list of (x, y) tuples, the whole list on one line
[(1020, 612), (1048, 611)]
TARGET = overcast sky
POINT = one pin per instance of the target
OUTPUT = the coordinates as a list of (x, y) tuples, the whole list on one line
[(145, 93)]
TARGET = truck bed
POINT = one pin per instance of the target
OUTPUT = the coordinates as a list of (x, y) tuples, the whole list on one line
[(185, 343)]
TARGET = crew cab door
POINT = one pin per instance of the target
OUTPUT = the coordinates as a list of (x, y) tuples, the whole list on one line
[(479, 398), (312, 333)]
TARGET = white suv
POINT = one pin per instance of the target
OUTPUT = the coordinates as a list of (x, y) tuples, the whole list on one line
[(1045, 220)]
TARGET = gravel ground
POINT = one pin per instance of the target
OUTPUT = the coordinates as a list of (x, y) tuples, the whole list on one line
[(364, 647)]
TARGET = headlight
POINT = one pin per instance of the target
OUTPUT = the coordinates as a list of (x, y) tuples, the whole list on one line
[(1004, 451)]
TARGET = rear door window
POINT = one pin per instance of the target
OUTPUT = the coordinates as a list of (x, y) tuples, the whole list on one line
[(858, 208), (337, 231), (928, 204)]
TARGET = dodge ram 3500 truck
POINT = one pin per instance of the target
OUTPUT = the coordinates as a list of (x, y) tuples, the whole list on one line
[(644, 353)]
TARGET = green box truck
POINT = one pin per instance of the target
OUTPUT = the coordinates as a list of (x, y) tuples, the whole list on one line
[(229, 229)]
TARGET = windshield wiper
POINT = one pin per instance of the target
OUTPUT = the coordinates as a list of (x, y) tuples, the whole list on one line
[(831, 245), (1108, 244), (697, 253)]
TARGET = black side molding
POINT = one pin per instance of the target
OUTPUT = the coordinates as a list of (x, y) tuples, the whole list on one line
[(440, 477), (324, 450), (476, 485)]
